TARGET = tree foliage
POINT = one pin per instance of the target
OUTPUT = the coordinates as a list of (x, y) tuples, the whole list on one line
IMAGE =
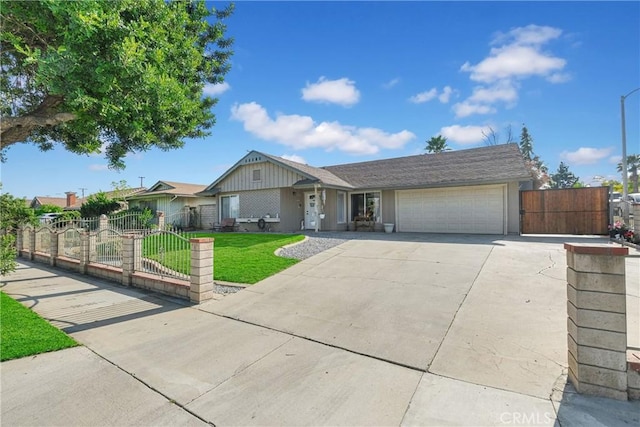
[(47, 208), (127, 74), (563, 178), (14, 212), (537, 169), (437, 144), (633, 165), (98, 204)]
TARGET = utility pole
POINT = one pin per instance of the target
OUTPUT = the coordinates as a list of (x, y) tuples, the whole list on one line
[(625, 172), (82, 189), (141, 178)]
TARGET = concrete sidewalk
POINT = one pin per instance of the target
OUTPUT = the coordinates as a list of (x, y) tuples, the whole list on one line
[(368, 333)]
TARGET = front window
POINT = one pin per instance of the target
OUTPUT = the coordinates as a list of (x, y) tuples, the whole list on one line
[(229, 206), (366, 205)]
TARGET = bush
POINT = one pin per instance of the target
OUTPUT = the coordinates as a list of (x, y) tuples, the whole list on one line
[(98, 204)]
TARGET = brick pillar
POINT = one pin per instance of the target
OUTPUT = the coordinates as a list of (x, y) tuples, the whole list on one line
[(20, 240), (160, 216), (201, 288), (128, 257), (32, 243), (84, 251), (103, 223), (53, 248), (597, 322)]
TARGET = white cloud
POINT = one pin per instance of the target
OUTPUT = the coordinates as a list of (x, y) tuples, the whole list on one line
[(432, 93), (464, 135), (529, 35), (424, 96), (342, 91), (514, 61), (504, 91), (516, 55), (300, 132), (391, 83), (445, 96), (585, 155), (466, 108), (98, 168), (614, 160), (216, 89), (294, 158)]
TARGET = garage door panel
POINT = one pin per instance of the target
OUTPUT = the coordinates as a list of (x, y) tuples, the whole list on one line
[(474, 210)]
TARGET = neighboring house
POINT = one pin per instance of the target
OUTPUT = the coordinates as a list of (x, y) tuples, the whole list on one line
[(466, 191), (179, 203), (72, 202)]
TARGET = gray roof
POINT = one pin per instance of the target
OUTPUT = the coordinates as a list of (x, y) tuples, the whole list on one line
[(174, 188), (313, 174), (491, 164)]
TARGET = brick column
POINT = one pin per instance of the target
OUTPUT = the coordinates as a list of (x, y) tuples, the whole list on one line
[(32, 243), (20, 240), (597, 322), (53, 248), (128, 257), (160, 216), (201, 287), (84, 251), (103, 223)]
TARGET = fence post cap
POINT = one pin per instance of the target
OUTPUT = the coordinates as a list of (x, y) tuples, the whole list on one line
[(596, 249), (202, 240)]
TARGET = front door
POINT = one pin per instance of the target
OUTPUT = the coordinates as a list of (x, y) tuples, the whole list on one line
[(310, 211)]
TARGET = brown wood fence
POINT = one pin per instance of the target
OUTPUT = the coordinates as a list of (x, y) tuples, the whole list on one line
[(565, 211)]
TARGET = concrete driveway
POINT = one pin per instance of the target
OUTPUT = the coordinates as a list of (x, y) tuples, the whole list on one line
[(401, 329), (483, 310)]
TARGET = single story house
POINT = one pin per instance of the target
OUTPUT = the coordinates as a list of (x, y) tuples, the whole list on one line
[(179, 204), (466, 191), (73, 203)]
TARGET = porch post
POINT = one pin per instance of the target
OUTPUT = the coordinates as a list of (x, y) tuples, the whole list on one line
[(317, 217)]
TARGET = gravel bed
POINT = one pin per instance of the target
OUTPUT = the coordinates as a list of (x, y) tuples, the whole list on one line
[(310, 247)]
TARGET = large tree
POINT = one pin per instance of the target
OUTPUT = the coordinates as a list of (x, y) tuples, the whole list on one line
[(124, 74), (437, 144), (563, 178), (633, 165), (537, 169)]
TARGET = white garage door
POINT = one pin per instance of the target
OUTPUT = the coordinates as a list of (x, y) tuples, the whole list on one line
[(477, 210)]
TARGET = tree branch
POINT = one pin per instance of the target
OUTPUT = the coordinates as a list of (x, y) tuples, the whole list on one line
[(18, 129)]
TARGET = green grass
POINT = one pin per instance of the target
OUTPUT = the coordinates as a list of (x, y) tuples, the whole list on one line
[(24, 333), (238, 257)]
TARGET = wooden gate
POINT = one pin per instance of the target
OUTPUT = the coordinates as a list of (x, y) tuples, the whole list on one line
[(565, 211)]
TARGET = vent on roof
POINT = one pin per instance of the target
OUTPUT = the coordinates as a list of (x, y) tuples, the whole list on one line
[(253, 159)]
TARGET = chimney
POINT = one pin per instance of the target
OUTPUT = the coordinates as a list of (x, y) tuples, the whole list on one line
[(71, 198)]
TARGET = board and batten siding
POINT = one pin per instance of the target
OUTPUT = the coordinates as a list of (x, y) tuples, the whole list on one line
[(271, 176)]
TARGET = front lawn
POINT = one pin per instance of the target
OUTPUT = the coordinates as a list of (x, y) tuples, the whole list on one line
[(24, 333), (238, 257)]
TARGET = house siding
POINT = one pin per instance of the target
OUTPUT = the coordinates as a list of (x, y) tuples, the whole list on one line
[(389, 206), (271, 176), (292, 209)]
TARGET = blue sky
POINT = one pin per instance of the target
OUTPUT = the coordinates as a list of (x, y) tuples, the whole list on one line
[(342, 82)]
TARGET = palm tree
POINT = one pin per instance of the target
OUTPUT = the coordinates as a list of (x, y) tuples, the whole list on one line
[(633, 164), (437, 144)]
